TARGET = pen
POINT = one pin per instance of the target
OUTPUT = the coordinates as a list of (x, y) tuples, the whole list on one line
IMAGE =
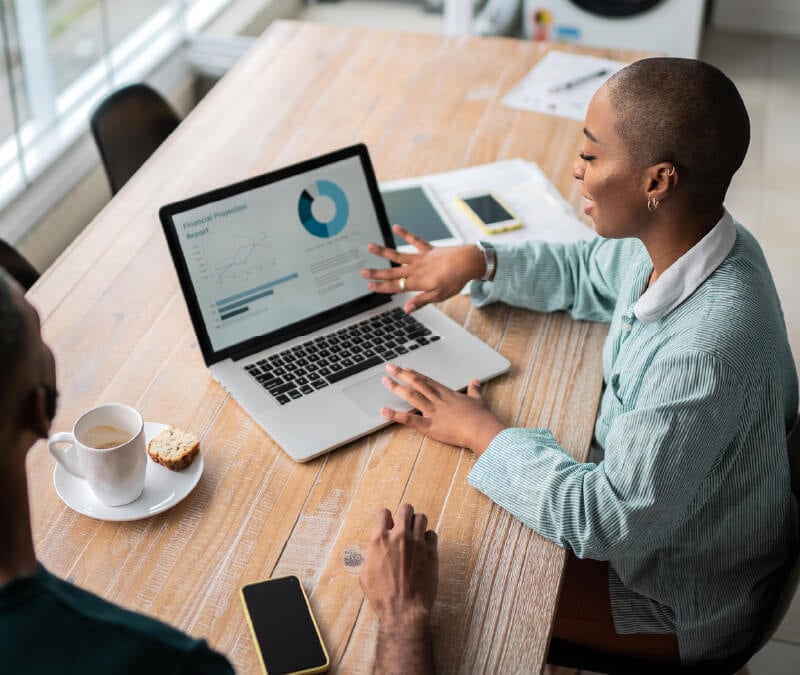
[(578, 80)]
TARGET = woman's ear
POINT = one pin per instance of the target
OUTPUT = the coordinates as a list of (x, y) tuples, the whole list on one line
[(662, 179)]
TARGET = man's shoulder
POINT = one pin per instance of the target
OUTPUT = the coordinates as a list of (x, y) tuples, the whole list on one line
[(94, 632), (88, 607)]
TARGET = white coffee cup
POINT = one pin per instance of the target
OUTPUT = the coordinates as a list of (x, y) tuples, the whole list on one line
[(115, 469)]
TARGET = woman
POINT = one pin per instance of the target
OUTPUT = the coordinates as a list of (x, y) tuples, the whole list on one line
[(689, 512)]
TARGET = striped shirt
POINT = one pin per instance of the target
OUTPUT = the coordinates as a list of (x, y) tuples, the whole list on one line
[(691, 502)]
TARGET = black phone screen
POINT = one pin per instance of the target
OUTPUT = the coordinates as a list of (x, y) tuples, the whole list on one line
[(488, 209), (282, 625)]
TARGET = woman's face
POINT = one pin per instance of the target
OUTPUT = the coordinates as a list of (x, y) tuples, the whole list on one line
[(614, 190)]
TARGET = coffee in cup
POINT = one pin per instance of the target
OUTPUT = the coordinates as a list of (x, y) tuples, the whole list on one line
[(107, 448), (105, 436)]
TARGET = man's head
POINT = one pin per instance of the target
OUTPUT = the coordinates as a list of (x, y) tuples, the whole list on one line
[(685, 112), (27, 370)]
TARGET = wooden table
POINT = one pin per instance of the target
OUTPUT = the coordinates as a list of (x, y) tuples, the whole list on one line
[(114, 315)]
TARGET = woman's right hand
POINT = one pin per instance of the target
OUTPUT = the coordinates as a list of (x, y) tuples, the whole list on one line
[(438, 272)]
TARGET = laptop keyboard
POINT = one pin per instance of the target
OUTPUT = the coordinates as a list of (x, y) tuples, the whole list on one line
[(325, 360)]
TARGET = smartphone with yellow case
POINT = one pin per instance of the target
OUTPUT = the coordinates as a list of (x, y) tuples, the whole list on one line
[(489, 213), (284, 630)]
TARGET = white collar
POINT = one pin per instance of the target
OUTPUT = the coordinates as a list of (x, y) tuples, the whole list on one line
[(685, 275)]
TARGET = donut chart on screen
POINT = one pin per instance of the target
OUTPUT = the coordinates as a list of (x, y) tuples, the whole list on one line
[(323, 188)]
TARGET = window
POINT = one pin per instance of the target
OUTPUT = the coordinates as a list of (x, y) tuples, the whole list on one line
[(60, 58)]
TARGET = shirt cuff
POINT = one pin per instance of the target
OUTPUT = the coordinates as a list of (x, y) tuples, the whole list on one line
[(509, 459), (486, 292)]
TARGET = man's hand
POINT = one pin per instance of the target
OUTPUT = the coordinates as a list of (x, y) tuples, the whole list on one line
[(400, 575), (399, 578)]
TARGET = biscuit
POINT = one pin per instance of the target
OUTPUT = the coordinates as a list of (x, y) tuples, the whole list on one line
[(174, 448)]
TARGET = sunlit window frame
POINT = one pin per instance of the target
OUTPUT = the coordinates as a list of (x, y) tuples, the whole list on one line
[(57, 120)]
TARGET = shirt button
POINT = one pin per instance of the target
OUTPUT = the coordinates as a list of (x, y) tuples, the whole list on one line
[(627, 327)]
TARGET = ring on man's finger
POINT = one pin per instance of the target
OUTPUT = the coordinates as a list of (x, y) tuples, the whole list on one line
[(403, 285)]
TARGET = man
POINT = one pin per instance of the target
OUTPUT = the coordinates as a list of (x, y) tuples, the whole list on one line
[(46, 624)]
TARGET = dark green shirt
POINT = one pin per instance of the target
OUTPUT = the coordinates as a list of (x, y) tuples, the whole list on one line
[(47, 625)]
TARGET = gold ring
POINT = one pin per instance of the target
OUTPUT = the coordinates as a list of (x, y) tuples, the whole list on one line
[(402, 284)]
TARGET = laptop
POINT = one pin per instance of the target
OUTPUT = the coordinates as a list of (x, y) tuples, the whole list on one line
[(269, 268)]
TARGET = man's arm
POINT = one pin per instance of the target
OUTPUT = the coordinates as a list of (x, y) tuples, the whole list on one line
[(399, 579), (405, 647)]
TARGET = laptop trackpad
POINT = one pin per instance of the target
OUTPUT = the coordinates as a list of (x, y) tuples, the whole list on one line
[(370, 395)]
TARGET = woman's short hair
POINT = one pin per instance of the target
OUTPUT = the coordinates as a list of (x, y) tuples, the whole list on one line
[(686, 112)]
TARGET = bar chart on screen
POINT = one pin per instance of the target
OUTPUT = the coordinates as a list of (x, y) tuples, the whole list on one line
[(235, 305)]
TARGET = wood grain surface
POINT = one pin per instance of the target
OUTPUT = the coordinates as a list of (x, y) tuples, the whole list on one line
[(113, 313)]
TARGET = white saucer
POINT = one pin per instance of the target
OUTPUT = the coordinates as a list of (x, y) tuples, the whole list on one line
[(162, 488)]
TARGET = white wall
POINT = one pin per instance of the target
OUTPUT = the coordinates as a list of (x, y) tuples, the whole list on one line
[(757, 16)]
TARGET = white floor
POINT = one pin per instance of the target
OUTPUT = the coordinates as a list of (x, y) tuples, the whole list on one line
[(764, 194)]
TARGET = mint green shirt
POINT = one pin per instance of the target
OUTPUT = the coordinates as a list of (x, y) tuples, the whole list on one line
[(47, 625), (691, 502)]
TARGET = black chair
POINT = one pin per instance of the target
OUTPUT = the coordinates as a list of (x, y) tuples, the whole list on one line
[(583, 658), (569, 655), (128, 127), (17, 266)]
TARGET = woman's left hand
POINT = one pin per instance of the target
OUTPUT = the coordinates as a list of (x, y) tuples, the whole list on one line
[(463, 420)]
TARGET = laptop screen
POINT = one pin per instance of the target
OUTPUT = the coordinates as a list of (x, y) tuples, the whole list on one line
[(274, 254)]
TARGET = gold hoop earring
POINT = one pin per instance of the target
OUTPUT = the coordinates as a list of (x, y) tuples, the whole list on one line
[(652, 204)]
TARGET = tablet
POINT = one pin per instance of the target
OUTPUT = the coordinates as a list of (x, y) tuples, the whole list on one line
[(416, 209)]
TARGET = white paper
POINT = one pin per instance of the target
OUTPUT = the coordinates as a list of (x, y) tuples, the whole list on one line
[(534, 91), (521, 185)]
